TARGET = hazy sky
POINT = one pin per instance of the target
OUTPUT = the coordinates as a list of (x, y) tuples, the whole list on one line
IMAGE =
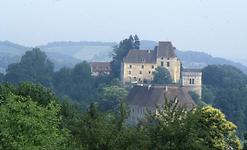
[(218, 27)]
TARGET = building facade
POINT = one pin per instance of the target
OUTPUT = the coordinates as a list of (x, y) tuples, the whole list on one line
[(139, 65), (192, 80)]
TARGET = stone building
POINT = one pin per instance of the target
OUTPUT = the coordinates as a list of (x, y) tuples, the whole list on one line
[(145, 98), (192, 80), (139, 65), (100, 68)]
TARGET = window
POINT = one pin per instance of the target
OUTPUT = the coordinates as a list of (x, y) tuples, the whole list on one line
[(192, 81), (140, 72), (168, 64), (130, 66), (152, 66), (162, 58), (162, 63), (129, 72), (142, 66), (134, 78), (139, 79), (149, 72)]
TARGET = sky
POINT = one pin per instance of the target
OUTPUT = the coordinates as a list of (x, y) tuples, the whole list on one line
[(217, 27)]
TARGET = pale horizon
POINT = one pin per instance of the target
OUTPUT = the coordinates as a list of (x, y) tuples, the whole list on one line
[(215, 27)]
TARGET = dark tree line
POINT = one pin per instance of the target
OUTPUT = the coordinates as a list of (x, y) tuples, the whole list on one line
[(225, 87)]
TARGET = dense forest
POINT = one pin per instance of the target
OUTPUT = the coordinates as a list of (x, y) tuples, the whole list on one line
[(41, 108)]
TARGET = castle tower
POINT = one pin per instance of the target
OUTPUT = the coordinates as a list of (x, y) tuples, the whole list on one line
[(166, 57), (192, 79)]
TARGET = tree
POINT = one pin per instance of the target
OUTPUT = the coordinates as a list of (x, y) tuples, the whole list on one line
[(26, 125), (219, 133), (245, 141), (77, 83), (1, 77), (136, 42), (226, 89), (34, 67), (112, 95), (120, 51), (162, 76), (174, 127)]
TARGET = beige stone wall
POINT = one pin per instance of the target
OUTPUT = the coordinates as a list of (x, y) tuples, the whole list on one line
[(132, 72), (173, 66), (193, 81)]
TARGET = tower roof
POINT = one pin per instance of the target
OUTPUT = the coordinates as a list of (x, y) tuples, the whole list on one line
[(165, 49)]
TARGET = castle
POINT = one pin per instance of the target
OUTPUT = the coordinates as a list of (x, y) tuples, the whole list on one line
[(139, 66)]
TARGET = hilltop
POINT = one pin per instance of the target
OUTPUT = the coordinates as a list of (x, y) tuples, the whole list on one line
[(67, 54)]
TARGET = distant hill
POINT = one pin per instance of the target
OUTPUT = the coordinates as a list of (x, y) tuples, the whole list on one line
[(67, 54), (62, 54)]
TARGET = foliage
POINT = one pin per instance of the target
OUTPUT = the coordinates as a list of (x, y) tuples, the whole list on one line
[(120, 51), (1, 77), (218, 133), (34, 66), (225, 88), (112, 95), (77, 82), (36, 92), (162, 76), (26, 125), (245, 141), (196, 98), (174, 127)]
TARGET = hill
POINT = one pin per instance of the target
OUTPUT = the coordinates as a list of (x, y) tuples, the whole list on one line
[(67, 54)]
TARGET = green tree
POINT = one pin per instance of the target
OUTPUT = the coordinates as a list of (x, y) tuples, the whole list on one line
[(226, 89), (77, 83), (245, 141), (36, 92), (112, 95), (120, 51), (1, 77), (162, 76), (34, 66), (218, 132), (173, 127), (25, 125)]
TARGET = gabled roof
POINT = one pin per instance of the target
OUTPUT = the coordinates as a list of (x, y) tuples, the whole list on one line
[(151, 96), (165, 49), (100, 66), (140, 56)]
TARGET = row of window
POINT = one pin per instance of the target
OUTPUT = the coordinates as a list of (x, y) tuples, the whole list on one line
[(130, 66), (161, 64), (140, 72)]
